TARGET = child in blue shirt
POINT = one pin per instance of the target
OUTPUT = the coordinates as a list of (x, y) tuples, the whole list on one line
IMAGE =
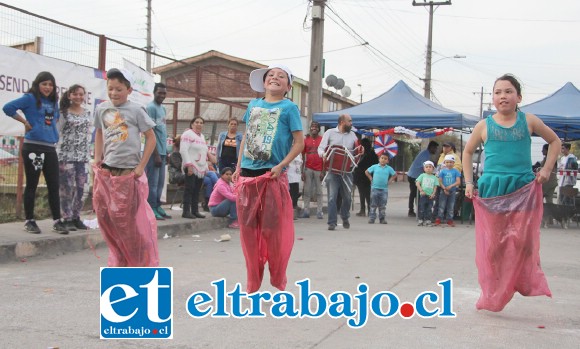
[(380, 176), (449, 181), (427, 184)]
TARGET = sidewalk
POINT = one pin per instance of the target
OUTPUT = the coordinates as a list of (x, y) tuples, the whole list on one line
[(17, 245)]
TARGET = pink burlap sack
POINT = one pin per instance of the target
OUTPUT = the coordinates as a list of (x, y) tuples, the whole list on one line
[(507, 241), (126, 220), (266, 222)]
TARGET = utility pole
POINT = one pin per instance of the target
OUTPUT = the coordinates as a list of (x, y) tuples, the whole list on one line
[(481, 101), (427, 89), (316, 47), (149, 47)]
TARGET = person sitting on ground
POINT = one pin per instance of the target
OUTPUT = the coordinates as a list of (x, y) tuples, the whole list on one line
[(222, 202)]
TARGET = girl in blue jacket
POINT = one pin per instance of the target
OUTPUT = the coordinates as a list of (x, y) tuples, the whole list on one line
[(40, 107)]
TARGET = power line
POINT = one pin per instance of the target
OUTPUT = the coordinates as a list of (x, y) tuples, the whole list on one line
[(367, 45)]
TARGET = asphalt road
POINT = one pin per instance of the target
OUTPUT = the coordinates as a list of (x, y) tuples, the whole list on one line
[(54, 302)]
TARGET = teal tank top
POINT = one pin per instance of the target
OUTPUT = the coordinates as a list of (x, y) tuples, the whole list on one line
[(508, 158)]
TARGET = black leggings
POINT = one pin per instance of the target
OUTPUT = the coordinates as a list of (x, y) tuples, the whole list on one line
[(191, 193), (37, 158)]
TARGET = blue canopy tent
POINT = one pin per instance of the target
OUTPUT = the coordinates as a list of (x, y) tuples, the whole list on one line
[(560, 111), (399, 106)]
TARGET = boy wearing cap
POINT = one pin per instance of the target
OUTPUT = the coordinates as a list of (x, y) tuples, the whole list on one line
[(119, 189), (427, 184), (449, 149), (449, 181), (273, 138), (415, 170)]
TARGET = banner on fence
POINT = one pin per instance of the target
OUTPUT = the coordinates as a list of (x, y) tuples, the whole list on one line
[(143, 83), (19, 68)]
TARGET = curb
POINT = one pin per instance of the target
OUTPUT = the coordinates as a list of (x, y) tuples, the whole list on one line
[(55, 245)]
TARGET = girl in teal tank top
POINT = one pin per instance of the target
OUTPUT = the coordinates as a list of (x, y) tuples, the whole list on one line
[(508, 159), (506, 136), (508, 209)]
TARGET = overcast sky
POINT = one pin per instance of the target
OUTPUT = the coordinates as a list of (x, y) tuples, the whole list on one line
[(536, 40)]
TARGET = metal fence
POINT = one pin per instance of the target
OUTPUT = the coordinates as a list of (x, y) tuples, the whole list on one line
[(58, 40)]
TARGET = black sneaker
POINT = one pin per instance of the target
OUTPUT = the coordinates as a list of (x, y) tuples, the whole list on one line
[(70, 225), (31, 227), (60, 227), (412, 214), (79, 224), (346, 224), (331, 226)]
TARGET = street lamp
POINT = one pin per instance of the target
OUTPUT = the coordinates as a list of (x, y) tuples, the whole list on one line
[(360, 87), (454, 57), (427, 79)]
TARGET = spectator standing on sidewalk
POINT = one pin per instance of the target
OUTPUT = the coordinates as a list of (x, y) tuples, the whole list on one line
[(158, 162), (228, 146), (40, 107), (312, 171), (568, 165), (73, 150), (415, 171), (195, 154)]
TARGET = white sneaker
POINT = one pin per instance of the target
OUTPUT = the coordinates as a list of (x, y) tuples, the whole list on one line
[(419, 223), (428, 223)]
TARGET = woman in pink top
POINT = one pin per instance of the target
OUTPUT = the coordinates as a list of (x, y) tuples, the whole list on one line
[(222, 202)]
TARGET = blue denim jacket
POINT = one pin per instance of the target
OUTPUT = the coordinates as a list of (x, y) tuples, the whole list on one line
[(220, 144)]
